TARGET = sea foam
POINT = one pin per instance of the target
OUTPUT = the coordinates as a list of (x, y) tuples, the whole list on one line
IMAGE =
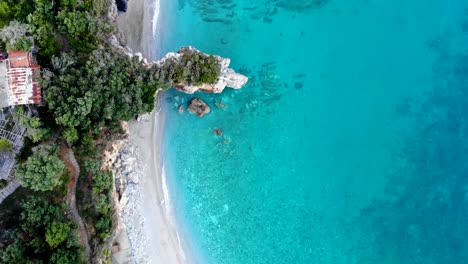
[(155, 20)]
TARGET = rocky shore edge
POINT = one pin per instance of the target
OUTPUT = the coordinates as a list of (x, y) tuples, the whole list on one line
[(122, 159)]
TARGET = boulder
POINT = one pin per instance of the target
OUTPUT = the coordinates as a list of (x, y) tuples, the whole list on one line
[(122, 5), (218, 131), (198, 107)]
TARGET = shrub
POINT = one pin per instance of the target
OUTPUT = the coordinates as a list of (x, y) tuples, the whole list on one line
[(5, 145), (41, 172), (16, 36), (3, 183)]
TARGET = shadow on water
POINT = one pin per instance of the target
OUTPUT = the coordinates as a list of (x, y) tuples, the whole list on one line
[(424, 216), (227, 11)]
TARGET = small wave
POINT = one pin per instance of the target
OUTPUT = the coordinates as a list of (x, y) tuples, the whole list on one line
[(168, 211), (157, 7), (167, 202)]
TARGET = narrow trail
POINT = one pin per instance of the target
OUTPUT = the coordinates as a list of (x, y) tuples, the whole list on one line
[(71, 163)]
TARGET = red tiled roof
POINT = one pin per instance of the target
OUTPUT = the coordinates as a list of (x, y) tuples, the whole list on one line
[(23, 87)]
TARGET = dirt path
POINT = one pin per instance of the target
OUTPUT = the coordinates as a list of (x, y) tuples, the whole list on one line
[(69, 158)]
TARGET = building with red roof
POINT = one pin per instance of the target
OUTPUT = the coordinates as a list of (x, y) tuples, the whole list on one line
[(18, 79)]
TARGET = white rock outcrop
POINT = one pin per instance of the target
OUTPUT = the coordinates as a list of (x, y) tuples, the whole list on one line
[(227, 76)]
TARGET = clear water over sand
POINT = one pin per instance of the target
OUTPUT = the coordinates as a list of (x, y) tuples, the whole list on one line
[(348, 145)]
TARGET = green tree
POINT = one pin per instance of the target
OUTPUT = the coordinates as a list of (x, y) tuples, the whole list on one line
[(103, 226), (16, 36), (5, 145), (44, 235), (64, 256), (42, 22), (38, 212), (35, 130), (13, 254), (57, 233), (102, 181), (41, 171), (14, 9), (70, 134)]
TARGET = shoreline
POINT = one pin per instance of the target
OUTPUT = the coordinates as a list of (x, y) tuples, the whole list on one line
[(158, 225), (150, 228), (138, 27)]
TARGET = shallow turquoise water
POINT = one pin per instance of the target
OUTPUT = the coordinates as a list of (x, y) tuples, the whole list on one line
[(347, 145)]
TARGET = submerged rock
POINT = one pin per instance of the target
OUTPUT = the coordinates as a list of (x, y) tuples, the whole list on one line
[(220, 105), (181, 109), (198, 107), (218, 131)]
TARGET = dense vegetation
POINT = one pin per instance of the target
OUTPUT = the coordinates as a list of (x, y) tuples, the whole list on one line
[(44, 233), (43, 170), (88, 87), (15, 10)]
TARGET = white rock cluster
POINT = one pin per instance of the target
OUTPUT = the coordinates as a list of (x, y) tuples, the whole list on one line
[(128, 174)]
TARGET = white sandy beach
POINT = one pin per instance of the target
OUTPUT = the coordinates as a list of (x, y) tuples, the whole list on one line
[(162, 241), (137, 26), (150, 226)]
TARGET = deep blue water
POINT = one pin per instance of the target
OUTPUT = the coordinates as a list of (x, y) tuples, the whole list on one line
[(349, 143)]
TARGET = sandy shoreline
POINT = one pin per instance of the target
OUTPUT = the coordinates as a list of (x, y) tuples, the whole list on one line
[(136, 27), (159, 228), (151, 229)]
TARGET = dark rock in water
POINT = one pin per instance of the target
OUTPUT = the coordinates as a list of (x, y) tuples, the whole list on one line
[(301, 5), (215, 20), (198, 107), (223, 41), (121, 5), (267, 20), (298, 85), (181, 109), (300, 75), (221, 105), (244, 70), (218, 131), (464, 26)]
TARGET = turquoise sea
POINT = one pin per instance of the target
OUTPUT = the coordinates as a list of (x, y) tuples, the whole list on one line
[(348, 145)]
